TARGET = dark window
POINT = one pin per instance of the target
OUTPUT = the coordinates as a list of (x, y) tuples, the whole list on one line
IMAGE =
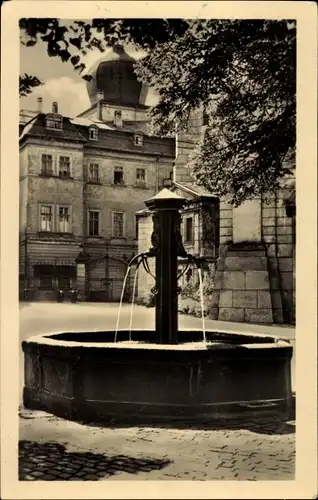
[(205, 119), (118, 175), (64, 166), (93, 134), (45, 274), (93, 223), (47, 165), (189, 229), (93, 172), (138, 140), (64, 282)]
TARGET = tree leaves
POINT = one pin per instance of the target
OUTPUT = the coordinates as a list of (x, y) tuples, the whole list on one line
[(241, 73), (27, 83), (76, 42)]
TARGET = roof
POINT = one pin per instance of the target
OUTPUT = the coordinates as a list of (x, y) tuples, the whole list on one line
[(37, 128), (114, 54), (85, 122), (111, 138), (194, 189)]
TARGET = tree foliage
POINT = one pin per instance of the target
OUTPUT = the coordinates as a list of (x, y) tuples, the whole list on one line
[(242, 73), (27, 83)]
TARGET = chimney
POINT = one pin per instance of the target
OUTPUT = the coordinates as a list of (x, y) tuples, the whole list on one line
[(100, 97), (39, 104), (55, 108), (118, 119)]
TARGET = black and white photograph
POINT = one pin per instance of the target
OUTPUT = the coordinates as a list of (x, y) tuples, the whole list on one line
[(156, 248)]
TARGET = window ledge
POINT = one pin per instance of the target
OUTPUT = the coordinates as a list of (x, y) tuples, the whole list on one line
[(141, 186), (123, 185), (118, 238), (96, 183), (64, 177)]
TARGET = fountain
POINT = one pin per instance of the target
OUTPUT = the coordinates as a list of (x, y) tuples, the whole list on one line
[(166, 373)]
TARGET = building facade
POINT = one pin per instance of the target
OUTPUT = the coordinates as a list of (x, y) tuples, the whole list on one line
[(81, 182)]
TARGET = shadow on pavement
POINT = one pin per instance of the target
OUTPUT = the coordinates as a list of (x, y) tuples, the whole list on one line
[(51, 462)]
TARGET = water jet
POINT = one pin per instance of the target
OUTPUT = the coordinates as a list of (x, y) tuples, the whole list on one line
[(164, 373)]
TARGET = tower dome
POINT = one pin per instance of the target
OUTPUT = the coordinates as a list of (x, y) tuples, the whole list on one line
[(113, 77)]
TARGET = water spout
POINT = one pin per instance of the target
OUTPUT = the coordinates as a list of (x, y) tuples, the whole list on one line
[(121, 301), (202, 304)]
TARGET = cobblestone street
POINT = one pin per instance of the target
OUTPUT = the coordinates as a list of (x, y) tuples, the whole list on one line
[(55, 449)]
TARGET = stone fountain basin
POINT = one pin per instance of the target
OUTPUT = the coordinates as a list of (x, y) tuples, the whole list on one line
[(86, 376)]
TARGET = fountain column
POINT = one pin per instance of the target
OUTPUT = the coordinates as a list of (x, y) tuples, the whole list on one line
[(166, 247)]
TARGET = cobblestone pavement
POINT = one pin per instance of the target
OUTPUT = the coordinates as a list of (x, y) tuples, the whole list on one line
[(55, 449)]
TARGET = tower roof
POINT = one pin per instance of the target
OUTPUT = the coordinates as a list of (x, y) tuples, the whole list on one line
[(113, 76)]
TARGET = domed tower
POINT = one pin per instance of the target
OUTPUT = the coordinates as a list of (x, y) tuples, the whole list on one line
[(113, 80)]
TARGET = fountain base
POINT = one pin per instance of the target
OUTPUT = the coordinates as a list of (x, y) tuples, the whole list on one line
[(86, 376)]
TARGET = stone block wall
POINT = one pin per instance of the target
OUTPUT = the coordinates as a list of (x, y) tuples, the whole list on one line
[(242, 289)]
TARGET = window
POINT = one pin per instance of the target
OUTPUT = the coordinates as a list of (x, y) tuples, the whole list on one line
[(46, 282), (93, 134), (54, 122), (189, 229), (45, 274), (64, 282), (64, 219), (205, 118), (47, 165), (64, 166), (141, 176), (46, 218), (118, 175), (93, 172), (138, 139), (118, 224), (93, 223)]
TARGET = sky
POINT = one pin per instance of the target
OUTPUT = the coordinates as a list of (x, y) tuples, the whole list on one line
[(62, 83)]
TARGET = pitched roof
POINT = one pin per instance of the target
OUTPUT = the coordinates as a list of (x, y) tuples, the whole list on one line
[(194, 189), (77, 129), (36, 127)]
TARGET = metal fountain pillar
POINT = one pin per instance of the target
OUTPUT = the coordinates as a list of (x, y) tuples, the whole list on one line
[(166, 248)]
